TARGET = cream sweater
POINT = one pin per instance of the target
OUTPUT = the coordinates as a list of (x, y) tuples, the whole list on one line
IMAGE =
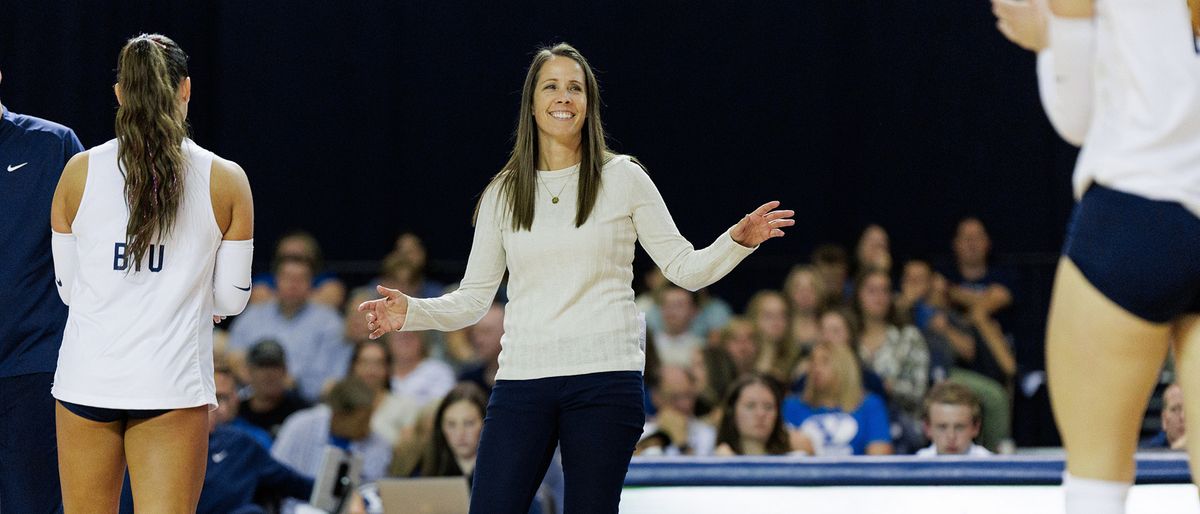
[(571, 308)]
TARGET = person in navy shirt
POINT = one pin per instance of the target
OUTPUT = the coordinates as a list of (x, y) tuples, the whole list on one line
[(33, 153)]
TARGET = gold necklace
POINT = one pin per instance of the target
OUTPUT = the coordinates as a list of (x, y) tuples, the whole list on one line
[(553, 197)]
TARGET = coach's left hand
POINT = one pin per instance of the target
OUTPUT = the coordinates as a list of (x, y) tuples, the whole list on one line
[(762, 224)]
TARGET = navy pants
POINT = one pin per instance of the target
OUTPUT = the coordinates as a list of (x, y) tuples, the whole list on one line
[(595, 418), (28, 449)]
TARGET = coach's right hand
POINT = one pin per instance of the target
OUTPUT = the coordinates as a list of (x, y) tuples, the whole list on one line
[(385, 314)]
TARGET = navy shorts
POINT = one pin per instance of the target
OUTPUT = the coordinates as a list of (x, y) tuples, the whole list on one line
[(1142, 254), (103, 415)]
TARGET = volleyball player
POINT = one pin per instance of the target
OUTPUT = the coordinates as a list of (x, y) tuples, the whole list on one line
[(1125, 82), (152, 238)]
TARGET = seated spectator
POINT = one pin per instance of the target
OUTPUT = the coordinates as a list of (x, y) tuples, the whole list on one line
[(268, 400), (839, 327), (675, 343), (675, 430), (833, 266), (238, 468), (1173, 434), (485, 336), (983, 293), (343, 421), (228, 405), (833, 414), (897, 353), (327, 288), (805, 292), (393, 412), (309, 331), (751, 422), (414, 373), (454, 440), (952, 420), (768, 310)]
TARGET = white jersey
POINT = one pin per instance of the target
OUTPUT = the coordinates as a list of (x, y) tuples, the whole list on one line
[(140, 339), (1145, 133)]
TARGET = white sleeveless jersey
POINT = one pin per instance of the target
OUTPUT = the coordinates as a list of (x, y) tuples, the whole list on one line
[(1145, 133), (140, 339)]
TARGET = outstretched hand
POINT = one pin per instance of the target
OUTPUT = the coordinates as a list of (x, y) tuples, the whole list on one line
[(386, 314), (762, 224)]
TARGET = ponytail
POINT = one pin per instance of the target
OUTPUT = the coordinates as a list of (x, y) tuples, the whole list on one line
[(150, 129)]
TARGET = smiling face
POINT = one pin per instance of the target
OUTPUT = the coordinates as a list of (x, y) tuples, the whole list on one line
[(560, 100)]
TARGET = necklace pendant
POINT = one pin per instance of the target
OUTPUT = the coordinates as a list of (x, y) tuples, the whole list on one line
[(554, 200)]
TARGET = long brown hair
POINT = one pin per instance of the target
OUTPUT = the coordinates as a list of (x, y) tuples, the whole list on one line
[(150, 129), (728, 433), (518, 178), (847, 390), (439, 459)]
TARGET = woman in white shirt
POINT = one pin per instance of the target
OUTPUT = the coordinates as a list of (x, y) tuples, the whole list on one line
[(562, 218)]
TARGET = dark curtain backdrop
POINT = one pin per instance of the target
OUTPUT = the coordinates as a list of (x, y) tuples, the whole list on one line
[(356, 120)]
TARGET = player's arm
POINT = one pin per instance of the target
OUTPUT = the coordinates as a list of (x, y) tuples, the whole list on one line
[(1065, 71), (233, 207), (63, 208), (1072, 8)]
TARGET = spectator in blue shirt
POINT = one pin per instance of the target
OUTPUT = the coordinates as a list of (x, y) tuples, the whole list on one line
[(833, 413), (33, 153)]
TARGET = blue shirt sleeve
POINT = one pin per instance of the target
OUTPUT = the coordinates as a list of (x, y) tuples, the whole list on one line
[(71, 146), (795, 411), (279, 477), (873, 419)]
